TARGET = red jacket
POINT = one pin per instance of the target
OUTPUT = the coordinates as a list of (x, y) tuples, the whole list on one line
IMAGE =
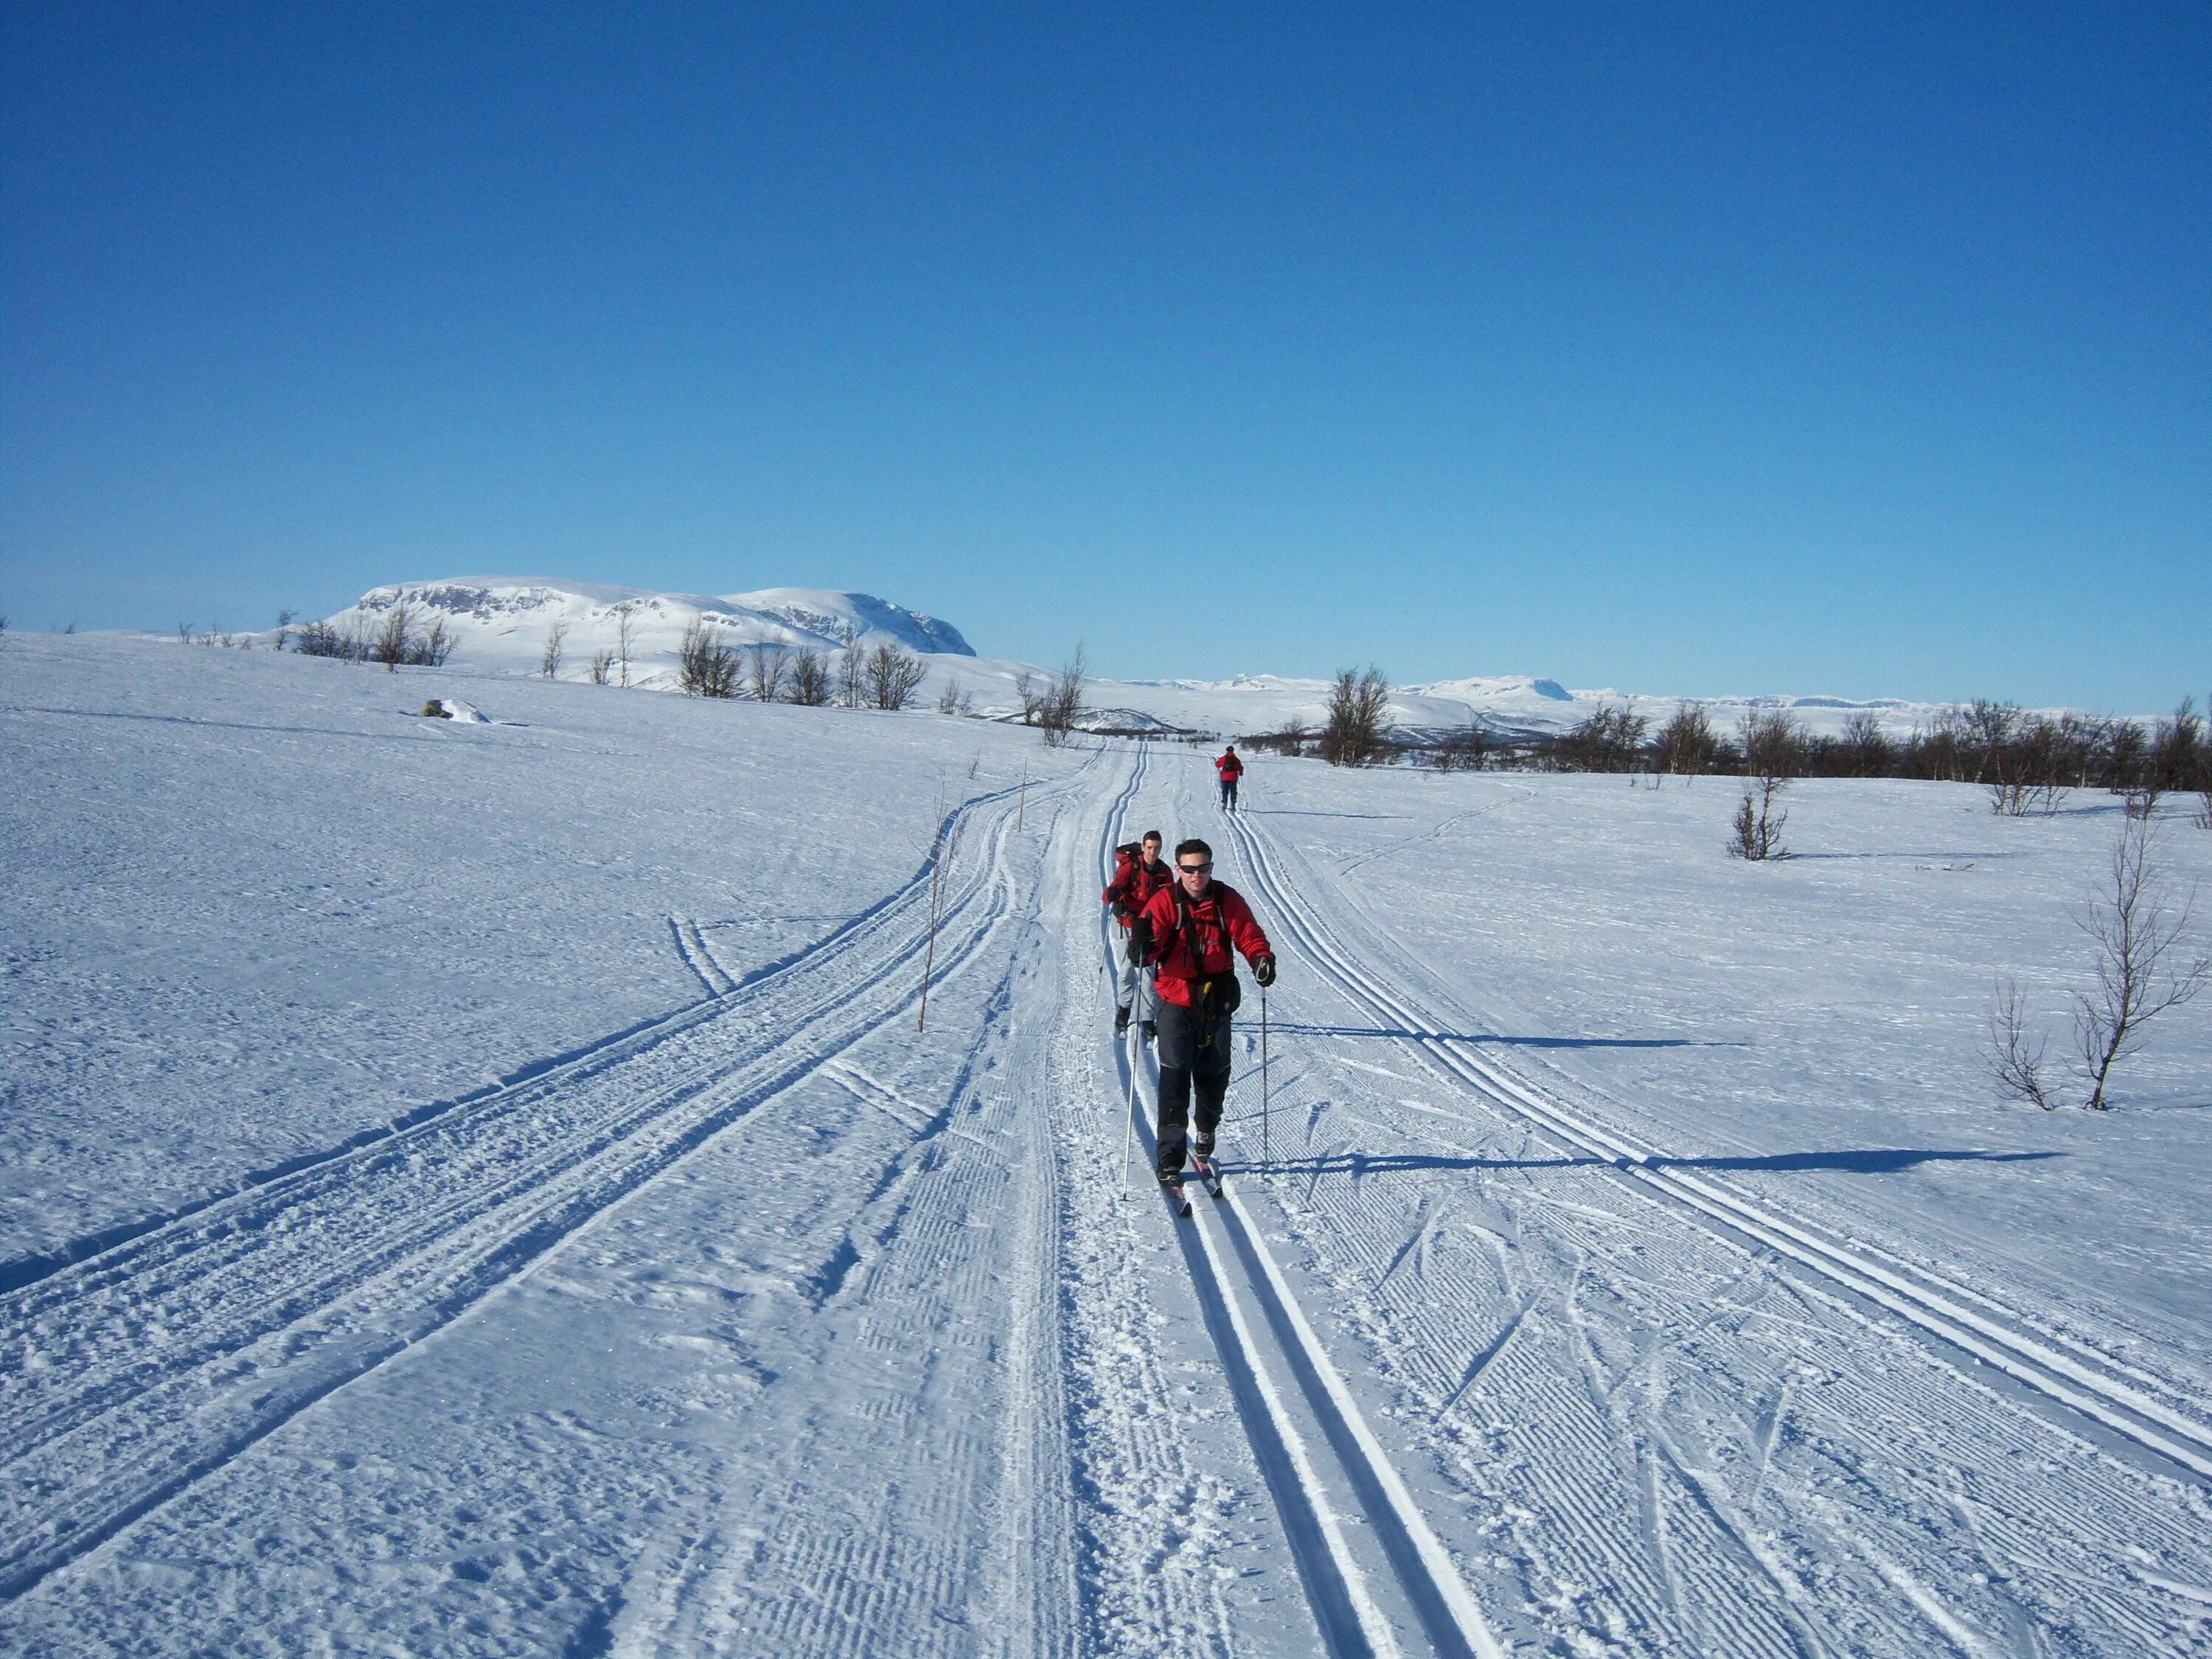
[(1229, 766), (1219, 921), (1134, 886)]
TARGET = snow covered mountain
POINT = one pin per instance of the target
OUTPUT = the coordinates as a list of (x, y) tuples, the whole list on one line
[(501, 624)]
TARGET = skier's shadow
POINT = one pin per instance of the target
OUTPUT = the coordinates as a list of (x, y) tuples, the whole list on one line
[(1398, 1031), (1877, 1160)]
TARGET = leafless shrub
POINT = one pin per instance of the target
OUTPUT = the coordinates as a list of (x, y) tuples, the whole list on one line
[(1864, 748), (894, 675), (2025, 771), (1062, 704), (1030, 694), (432, 648), (705, 666), (625, 638), (1773, 749), (603, 667), (1358, 731), (549, 660), (283, 628), (2014, 1058), (954, 701), (768, 659), (392, 636), (852, 677), (2140, 969), (1686, 744), (809, 680)]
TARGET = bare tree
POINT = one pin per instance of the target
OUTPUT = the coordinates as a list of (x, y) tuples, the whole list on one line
[(1358, 731), (894, 675), (954, 701), (809, 680), (1686, 744), (768, 669), (2014, 1057), (625, 637), (2140, 969), (393, 636), (1865, 749), (852, 677), (284, 627), (1772, 751), (1063, 702), (549, 661), (1029, 696), (705, 666), (603, 667)]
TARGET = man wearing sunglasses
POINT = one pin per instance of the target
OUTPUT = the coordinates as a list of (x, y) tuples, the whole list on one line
[(1190, 932)]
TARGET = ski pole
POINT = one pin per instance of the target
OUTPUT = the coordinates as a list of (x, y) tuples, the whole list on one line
[(1129, 1142), (1263, 1077)]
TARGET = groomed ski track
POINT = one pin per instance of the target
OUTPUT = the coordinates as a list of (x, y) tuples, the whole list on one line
[(1466, 1369)]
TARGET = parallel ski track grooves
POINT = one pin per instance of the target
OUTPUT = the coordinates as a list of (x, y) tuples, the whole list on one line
[(2078, 1380), (1344, 1612), (233, 1319)]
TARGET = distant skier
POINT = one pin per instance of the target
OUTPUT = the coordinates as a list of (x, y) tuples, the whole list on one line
[(1230, 769), (1140, 871), (1188, 932)]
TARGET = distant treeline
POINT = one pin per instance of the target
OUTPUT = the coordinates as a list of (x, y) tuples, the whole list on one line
[(1997, 745)]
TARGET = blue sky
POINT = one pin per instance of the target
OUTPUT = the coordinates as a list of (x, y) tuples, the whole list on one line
[(1859, 350)]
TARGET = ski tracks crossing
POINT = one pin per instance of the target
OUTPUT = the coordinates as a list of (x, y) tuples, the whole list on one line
[(137, 1372), (1669, 1344)]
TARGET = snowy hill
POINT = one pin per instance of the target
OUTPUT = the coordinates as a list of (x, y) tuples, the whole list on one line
[(501, 624)]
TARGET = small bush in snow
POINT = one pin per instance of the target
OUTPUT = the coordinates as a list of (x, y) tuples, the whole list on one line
[(1062, 703), (1773, 749), (2143, 968), (603, 667), (549, 660)]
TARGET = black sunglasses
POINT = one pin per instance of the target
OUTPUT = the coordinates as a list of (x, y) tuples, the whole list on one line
[(1204, 869)]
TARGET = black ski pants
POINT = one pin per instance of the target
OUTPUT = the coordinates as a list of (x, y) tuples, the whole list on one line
[(1193, 1059)]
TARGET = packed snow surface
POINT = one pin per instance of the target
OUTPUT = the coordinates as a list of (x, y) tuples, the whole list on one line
[(490, 1188), (503, 623)]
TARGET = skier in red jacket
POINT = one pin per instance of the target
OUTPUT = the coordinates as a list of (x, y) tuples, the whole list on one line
[(1189, 931), (1230, 769), (1138, 872)]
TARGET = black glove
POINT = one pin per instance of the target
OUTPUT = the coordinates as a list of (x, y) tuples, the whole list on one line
[(1141, 941), (1264, 970)]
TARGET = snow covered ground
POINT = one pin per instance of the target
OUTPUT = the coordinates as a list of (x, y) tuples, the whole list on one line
[(479, 1188)]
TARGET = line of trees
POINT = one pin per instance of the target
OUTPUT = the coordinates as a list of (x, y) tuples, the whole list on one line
[(398, 638), (707, 665)]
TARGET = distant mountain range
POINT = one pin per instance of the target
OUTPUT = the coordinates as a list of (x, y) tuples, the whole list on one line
[(499, 625)]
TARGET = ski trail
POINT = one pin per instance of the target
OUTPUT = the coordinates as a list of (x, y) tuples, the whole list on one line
[(163, 1359), (2062, 1373), (691, 944), (1237, 1270)]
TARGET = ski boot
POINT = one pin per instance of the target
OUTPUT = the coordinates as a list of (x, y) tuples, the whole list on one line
[(1120, 1019)]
